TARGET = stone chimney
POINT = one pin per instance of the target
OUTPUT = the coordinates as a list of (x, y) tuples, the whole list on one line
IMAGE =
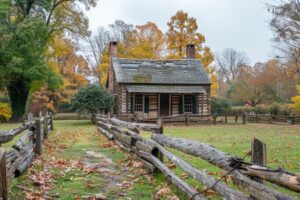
[(190, 51), (113, 53), (113, 49)]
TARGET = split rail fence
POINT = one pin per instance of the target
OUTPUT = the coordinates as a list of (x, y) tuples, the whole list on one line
[(188, 119), (15, 161), (249, 177)]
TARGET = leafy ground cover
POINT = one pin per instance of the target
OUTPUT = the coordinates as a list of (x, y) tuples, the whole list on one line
[(79, 163)]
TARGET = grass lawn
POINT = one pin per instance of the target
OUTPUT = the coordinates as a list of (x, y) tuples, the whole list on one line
[(61, 171), (282, 141)]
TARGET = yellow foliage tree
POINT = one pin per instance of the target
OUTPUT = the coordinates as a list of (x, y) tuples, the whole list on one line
[(183, 30), (296, 100), (63, 60)]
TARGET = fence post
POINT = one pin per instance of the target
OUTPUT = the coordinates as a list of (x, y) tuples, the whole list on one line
[(256, 118), (30, 117), (271, 118), (51, 121), (293, 119), (46, 126), (3, 178), (187, 119), (215, 119), (38, 137), (226, 118), (236, 119), (258, 155), (244, 118), (161, 125)]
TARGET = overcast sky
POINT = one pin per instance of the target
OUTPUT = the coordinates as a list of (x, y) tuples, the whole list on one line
[(238, 24)]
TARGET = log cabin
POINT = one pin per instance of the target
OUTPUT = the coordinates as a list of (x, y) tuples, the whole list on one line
[(149, 88)]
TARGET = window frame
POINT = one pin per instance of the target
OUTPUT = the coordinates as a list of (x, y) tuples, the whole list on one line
[(138, 103), (188, 104)]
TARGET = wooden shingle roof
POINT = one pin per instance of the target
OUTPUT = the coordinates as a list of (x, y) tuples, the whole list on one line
[(176, 72)]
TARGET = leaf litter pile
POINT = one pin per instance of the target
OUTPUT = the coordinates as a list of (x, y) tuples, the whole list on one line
[(86, 167)]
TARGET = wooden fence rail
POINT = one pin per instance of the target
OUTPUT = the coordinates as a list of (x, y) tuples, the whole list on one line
[(150, 152), (189, 119), (14, 162)]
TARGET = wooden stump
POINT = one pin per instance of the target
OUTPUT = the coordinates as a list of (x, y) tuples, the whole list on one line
[(258, 155)]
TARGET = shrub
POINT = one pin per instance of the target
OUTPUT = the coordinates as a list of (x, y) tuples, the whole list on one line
[(220, 106), (280, 109), (5, 112), (92, 98), (237, 110), (262, 109)]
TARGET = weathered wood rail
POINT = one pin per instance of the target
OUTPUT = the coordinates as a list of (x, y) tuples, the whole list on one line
[(189, 119), (15, 161), (150, 152)]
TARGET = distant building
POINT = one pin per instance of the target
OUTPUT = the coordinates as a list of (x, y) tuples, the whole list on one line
[(152, 88)]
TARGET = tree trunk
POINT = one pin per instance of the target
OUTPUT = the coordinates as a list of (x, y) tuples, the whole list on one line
[(18, 94)]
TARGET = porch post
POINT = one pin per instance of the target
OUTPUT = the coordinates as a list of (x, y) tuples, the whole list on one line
[(127, 102), (133, 103), (158, 105), (202, 104), (143, 104), (183, 104), (170, 104)]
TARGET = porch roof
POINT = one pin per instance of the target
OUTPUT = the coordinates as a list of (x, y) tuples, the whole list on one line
[(175, 89)]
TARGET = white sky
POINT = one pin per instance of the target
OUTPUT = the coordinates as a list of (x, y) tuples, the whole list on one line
[(238, 24)]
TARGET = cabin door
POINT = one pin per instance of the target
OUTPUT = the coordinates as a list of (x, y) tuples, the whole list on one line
[(164, 104)]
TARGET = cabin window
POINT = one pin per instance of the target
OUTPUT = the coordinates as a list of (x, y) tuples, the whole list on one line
[(138, 103), (188, 104)]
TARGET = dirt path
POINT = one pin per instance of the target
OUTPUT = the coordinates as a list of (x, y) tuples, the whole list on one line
[(79, 163)]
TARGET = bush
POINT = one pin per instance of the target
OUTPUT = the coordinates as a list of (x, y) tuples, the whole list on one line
[(5, 112), (92, 98), (237, 110), (262, 109), (220, 106), (280, 109)]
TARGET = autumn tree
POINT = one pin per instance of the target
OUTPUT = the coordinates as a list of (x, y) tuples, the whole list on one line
[(65, 62), (285, 24), (143, 41), (229, 63), (96, 53), (26, 27), (146, 41), (183, 30), (296, 100)]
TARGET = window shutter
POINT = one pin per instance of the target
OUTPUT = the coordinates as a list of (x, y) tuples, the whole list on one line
[(131, 104), (194, 100), (180, 105), (146, 106)]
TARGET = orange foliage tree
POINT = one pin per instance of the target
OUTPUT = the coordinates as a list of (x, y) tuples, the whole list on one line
[(183, 30)]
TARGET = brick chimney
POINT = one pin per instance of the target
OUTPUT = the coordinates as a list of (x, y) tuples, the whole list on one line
[(113, 49), (190, 51), (113, 53)]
